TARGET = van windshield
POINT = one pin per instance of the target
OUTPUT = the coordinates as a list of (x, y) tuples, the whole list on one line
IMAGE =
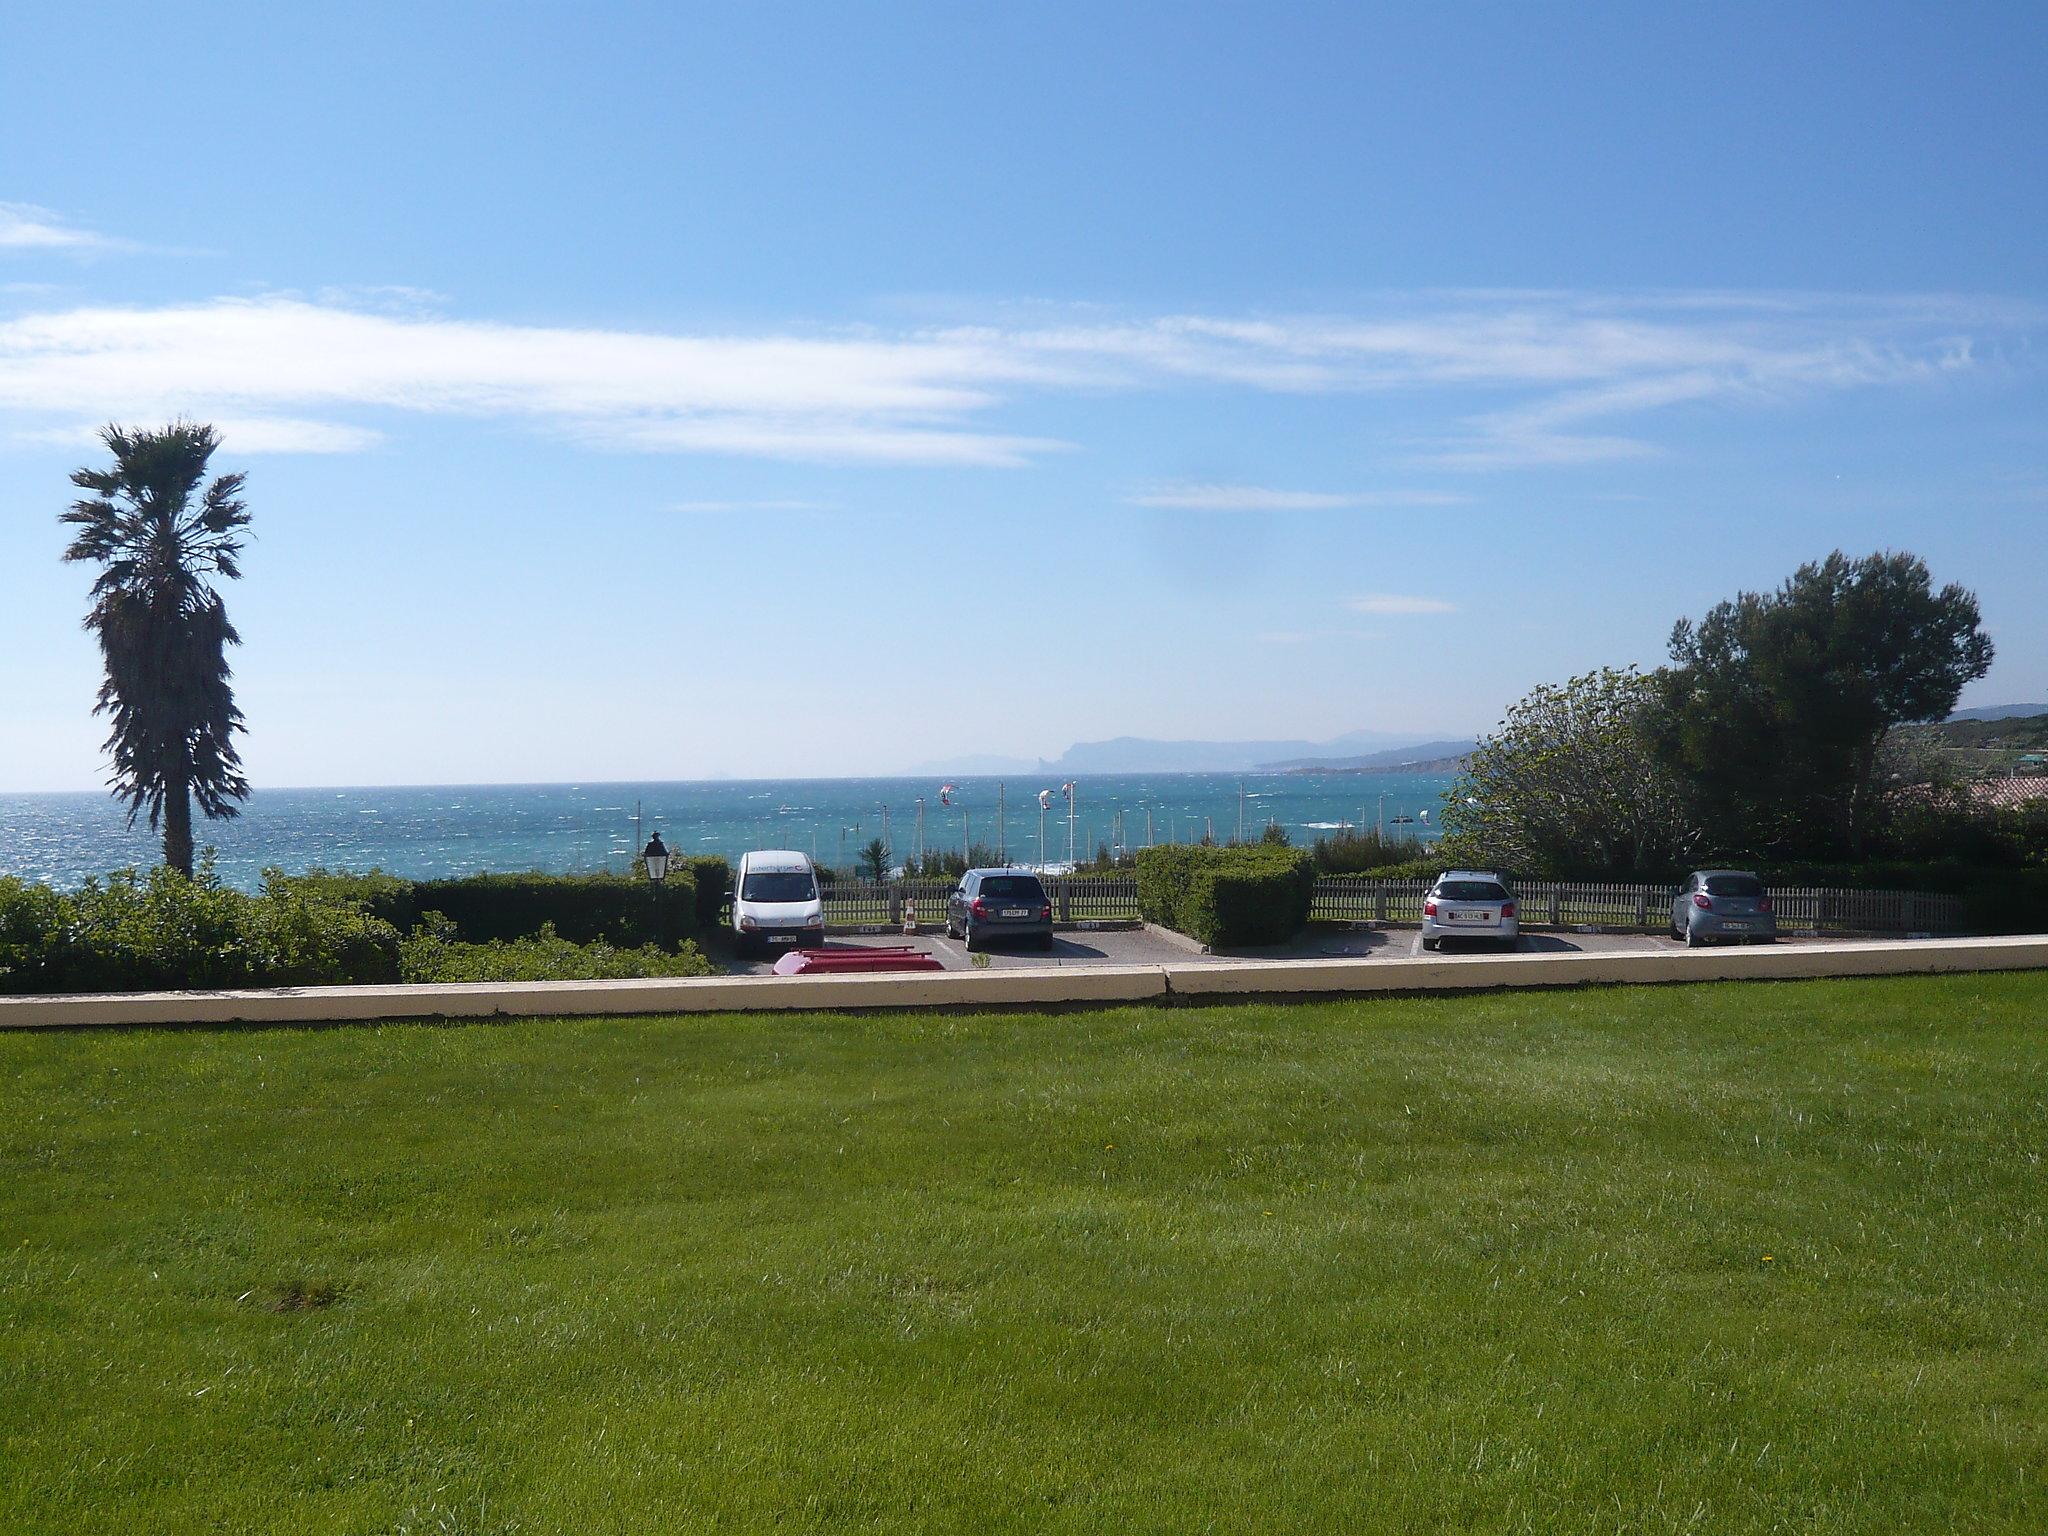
[(779, 885), (1012, 888)]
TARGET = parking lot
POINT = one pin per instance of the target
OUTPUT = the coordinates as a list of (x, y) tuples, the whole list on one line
[(1150, 946)]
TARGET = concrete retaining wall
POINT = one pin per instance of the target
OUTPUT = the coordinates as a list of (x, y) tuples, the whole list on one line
[(1036, 987)]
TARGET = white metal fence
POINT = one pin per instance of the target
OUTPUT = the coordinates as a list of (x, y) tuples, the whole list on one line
[(856, 904), (1347, 898), (1555, 904)]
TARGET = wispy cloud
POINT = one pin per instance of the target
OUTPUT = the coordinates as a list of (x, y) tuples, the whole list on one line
[(25, 227), (1260, 498), (769, 505), (238, 434), (1394, 603), (1525, 378)]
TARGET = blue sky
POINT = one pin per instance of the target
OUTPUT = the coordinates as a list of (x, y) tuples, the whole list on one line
[(675, 390)]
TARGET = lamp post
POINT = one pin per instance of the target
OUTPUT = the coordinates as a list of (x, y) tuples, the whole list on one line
[(655, 857)]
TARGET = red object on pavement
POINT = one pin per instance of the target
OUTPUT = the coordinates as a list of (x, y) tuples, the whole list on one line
[(856, 957)]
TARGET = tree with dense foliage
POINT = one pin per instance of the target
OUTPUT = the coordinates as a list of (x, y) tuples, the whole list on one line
[(1569, 784), (1777, 705), (160, 541)]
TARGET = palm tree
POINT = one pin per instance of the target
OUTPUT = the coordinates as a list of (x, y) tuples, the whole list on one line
[(874, 861), (162, 627)]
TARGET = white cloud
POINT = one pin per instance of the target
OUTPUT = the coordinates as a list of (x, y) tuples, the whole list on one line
[(1396, 603), (253, 434), (1531, 378), (1284, 637), (286, 434), (1259, 498), (25, 227)]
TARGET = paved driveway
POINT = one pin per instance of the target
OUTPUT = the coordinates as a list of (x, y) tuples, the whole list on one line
[(1107, 947), (1139, 946)]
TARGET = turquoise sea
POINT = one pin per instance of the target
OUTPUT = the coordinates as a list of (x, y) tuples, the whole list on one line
[(454, 830)]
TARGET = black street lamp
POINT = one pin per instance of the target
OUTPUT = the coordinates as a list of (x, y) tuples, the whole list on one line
[(655, 857)]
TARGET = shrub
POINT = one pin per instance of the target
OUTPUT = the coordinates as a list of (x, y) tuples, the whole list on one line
[(2015, 901), (1367, 852), (943, 864), (1257, 894), (434, 952), (162, 931), (584, 909), (36, 949), (389, 897), (713, 876), (615, 909), (1411, 869)]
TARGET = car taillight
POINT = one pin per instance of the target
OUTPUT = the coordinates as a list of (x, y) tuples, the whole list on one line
[(1703, 901), (1763, 904), (979, 907), (1429, 907), (1045, 912), (1507, 909)]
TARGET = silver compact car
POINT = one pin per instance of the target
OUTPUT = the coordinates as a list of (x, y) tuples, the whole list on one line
[(1469, 904), (1716, 904)]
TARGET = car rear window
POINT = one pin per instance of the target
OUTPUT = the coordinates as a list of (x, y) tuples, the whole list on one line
[(1471, 890), (1012, 888), (778, 885), (1734, 885)]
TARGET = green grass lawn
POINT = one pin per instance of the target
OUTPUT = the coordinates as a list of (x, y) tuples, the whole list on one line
[(1756, 1257)]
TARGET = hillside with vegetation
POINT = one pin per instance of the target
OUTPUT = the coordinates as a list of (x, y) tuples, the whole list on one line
[(1976, 747)]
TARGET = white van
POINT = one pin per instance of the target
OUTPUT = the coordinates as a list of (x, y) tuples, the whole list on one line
[(776, 903)]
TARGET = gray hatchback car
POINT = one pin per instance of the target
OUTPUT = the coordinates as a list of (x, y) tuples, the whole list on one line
[(1715, 904), (999, 904)]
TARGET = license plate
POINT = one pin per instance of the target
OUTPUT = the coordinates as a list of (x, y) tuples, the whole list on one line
[(1016, 912), (1471, 917), (781, 938), (1734, 927)]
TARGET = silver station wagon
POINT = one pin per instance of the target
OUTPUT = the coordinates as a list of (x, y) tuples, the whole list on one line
[(1469, 904), (1716, 904)]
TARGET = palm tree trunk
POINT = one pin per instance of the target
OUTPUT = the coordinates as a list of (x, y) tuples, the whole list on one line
[(178, 828)]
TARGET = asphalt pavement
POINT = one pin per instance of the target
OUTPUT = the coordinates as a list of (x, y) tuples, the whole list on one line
[(1147, 946)]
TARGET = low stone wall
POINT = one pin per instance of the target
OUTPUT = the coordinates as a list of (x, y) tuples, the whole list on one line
[(1049, 987)]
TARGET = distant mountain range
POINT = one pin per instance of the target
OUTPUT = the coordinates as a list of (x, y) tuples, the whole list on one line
[(1424, 757), (2000, 712), (1138, 754), (1353, 752)]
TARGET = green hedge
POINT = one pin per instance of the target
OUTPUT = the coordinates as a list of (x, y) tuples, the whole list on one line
[(585, 909), (385, 897), (2008, 900), (434, 954), (714, 885), (134, 933), (1258, 894), (622, 910)]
